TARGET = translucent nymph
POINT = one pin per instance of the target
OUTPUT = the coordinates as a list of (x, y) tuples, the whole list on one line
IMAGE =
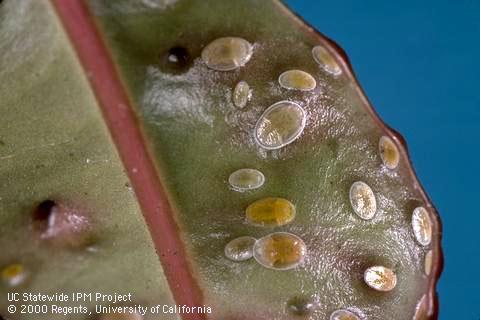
[(14, 274), (240, 249), (428, 262), (280, 124), (297, 80), (326, 60), (363, 200), (279, 251), (421, 309), (225, 54), (343, 314), (422, 226), (388, 152), (241, 94), (301, 305), (246, 179), (270, 212), (380, 278)]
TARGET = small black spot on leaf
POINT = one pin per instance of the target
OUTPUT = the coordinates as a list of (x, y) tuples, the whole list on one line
[(176, 60), (43, 210)]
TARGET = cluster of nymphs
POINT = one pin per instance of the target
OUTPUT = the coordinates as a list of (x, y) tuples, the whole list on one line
[(281, 124)]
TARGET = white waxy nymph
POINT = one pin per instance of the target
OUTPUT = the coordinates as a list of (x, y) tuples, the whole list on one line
[(326, 60), (343, 314), (280, 124), (240, 249), (225, 54), (422, 226), (297, 80), (241, 94), (246, 179), (380, 278), (388, 152), (363, 200)]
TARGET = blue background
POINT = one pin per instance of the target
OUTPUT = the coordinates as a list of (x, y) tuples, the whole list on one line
[(418, 62)]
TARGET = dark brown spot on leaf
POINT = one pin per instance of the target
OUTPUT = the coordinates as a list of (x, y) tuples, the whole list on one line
[(176, 60)]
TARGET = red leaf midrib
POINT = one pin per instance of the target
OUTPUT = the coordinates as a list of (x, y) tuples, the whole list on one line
[(117, 111)]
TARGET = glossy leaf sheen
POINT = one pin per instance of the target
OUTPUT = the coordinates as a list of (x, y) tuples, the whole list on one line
[(55, 143), (195, 131)]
